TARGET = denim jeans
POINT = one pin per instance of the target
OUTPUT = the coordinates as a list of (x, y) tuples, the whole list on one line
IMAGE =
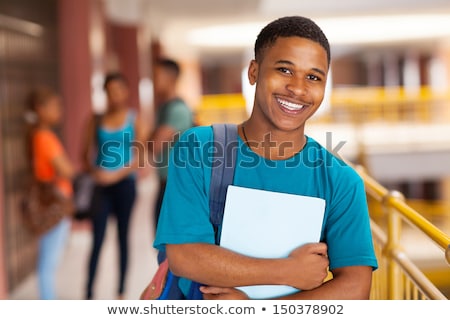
[(51, 247), (117, 199)]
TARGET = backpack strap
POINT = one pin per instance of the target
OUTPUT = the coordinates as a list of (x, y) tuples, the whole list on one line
[(222, 172)]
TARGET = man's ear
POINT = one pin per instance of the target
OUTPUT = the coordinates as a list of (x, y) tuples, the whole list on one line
[(253, 72)]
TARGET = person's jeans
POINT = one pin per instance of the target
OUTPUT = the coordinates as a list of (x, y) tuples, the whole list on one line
[(118, 199), (51, 246)]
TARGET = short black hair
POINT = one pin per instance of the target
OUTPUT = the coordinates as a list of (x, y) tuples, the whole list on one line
[(169, 65), (114, 76), (290, 26)]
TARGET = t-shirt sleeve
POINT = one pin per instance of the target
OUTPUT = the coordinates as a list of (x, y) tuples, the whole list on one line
[(184, 216), (47, 146), (178, 116), (348, 234)]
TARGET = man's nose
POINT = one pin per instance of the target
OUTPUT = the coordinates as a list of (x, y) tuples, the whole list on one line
[(297, 86)]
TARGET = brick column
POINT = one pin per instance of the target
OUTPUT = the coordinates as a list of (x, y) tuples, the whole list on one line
[(124, 42), (75, 70), (3, 273)]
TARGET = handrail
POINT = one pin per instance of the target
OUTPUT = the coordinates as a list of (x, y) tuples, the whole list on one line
[(382, 194), (416, 276), (423, 224)]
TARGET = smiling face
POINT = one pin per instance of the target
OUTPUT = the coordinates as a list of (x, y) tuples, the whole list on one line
[(290, 84)]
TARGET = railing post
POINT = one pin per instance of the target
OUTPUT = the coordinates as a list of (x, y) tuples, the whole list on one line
[(394, 228), (447, 254)]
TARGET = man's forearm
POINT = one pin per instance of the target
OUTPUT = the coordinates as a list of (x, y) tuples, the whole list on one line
[(215, 266), (305, 267)]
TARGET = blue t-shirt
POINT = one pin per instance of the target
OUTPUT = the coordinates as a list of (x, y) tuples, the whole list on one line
[(313, 172)]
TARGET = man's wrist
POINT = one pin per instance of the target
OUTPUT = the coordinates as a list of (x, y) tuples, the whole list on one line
[(278, 272)]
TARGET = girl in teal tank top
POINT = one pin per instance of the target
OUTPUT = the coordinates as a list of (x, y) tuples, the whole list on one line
[(114, 166)]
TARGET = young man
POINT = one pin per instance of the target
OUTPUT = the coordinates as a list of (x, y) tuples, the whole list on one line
[(292, 58), (173, 117)]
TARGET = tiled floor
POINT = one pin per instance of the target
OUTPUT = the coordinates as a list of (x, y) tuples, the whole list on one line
[(73, 271)]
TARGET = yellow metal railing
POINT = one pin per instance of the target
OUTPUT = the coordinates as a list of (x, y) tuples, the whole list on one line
[(388, 104), (221, 108), (398, 278)]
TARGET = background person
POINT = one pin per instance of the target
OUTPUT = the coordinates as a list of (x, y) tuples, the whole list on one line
[(50, 163), (111, 152), (173, 117)]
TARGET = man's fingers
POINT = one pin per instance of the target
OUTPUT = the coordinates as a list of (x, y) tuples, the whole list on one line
[(318, 248)]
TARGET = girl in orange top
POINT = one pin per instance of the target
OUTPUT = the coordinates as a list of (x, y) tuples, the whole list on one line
[(49, 163)]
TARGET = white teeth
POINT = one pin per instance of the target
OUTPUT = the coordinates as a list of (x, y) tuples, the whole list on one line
[(290, 105)]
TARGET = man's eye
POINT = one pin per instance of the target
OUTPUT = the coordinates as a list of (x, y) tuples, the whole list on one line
[(285, 70), (313, 77)]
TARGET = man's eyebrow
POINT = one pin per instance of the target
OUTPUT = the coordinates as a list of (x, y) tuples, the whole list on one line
[(284, 62), (291, 64), (320, 71)]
